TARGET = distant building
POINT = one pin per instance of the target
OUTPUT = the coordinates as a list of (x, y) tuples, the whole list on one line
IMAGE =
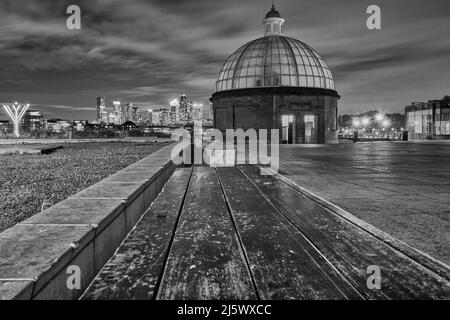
[(429, 120), (134, 113), (79, 125), (129, 126), (197, 112), (208, 112), (165, 118), (185, 110), (122, 113), (174, 111), (115, 115), (102, 115), (156, 118), (146, 117), (141, 116), (5, 126), (58, 125), (128, 110), (33, 120)]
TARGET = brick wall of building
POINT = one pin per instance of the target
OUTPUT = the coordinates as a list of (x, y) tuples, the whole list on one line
[(255, 109)]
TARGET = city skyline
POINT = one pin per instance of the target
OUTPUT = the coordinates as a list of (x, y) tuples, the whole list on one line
[(149, 52), (93, 111)]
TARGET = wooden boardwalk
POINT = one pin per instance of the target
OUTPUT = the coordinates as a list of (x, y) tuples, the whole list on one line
[(231, 233)]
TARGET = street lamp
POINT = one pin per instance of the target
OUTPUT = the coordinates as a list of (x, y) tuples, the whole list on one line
[(365, 121), (379, 117)]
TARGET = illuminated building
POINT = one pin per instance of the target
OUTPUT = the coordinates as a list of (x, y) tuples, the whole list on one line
[(197, 112), (277, 82), (165, 117), (156, 118), (58, 125), (185, 110), (207, 112), (174, 111), (33, 120), (5, 126), (79, 125), (429, 120), (102, 115), (115, 115), (134, 113)]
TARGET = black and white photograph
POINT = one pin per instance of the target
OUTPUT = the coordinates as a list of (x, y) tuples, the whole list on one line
[(224, 156)]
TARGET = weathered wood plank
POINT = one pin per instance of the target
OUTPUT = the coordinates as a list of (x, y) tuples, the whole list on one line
[(283, 262), (350, 249), (205, 261), (136, 269)]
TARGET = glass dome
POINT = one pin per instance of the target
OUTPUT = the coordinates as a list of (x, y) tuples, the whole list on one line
[(274, 61)]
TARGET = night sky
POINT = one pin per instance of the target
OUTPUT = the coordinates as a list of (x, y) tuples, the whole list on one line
[(152, 51)]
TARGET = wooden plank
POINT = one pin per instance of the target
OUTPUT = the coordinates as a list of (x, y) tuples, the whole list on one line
[(205, 261), (283, 263), (351, 249), (135, 270)]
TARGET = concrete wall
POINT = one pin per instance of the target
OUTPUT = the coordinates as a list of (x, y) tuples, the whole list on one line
[(245, 109), (83, 230)]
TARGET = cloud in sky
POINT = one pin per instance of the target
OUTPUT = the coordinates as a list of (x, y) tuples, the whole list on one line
[(152, 51)]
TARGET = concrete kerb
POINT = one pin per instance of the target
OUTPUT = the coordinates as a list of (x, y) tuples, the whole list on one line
[(83, 231)]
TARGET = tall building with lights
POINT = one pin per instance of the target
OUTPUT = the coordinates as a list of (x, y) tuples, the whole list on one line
[(134, 117), (115, 114), (123, 113), (277, 82), (185, 110), (102, 115), (197, 112), (174, 111), (165, 117)]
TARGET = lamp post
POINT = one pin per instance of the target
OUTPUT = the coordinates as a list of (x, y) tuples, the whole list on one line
[(379, 117), (365, 121), (16, 112)]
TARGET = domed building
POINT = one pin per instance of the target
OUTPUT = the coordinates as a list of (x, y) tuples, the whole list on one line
[(277, 82)]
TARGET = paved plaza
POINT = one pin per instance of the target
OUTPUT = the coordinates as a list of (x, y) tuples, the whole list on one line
[(400, 188)]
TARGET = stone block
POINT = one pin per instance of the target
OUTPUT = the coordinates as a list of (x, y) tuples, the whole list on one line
[(57, 288), (39, 252), (94, 212)]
